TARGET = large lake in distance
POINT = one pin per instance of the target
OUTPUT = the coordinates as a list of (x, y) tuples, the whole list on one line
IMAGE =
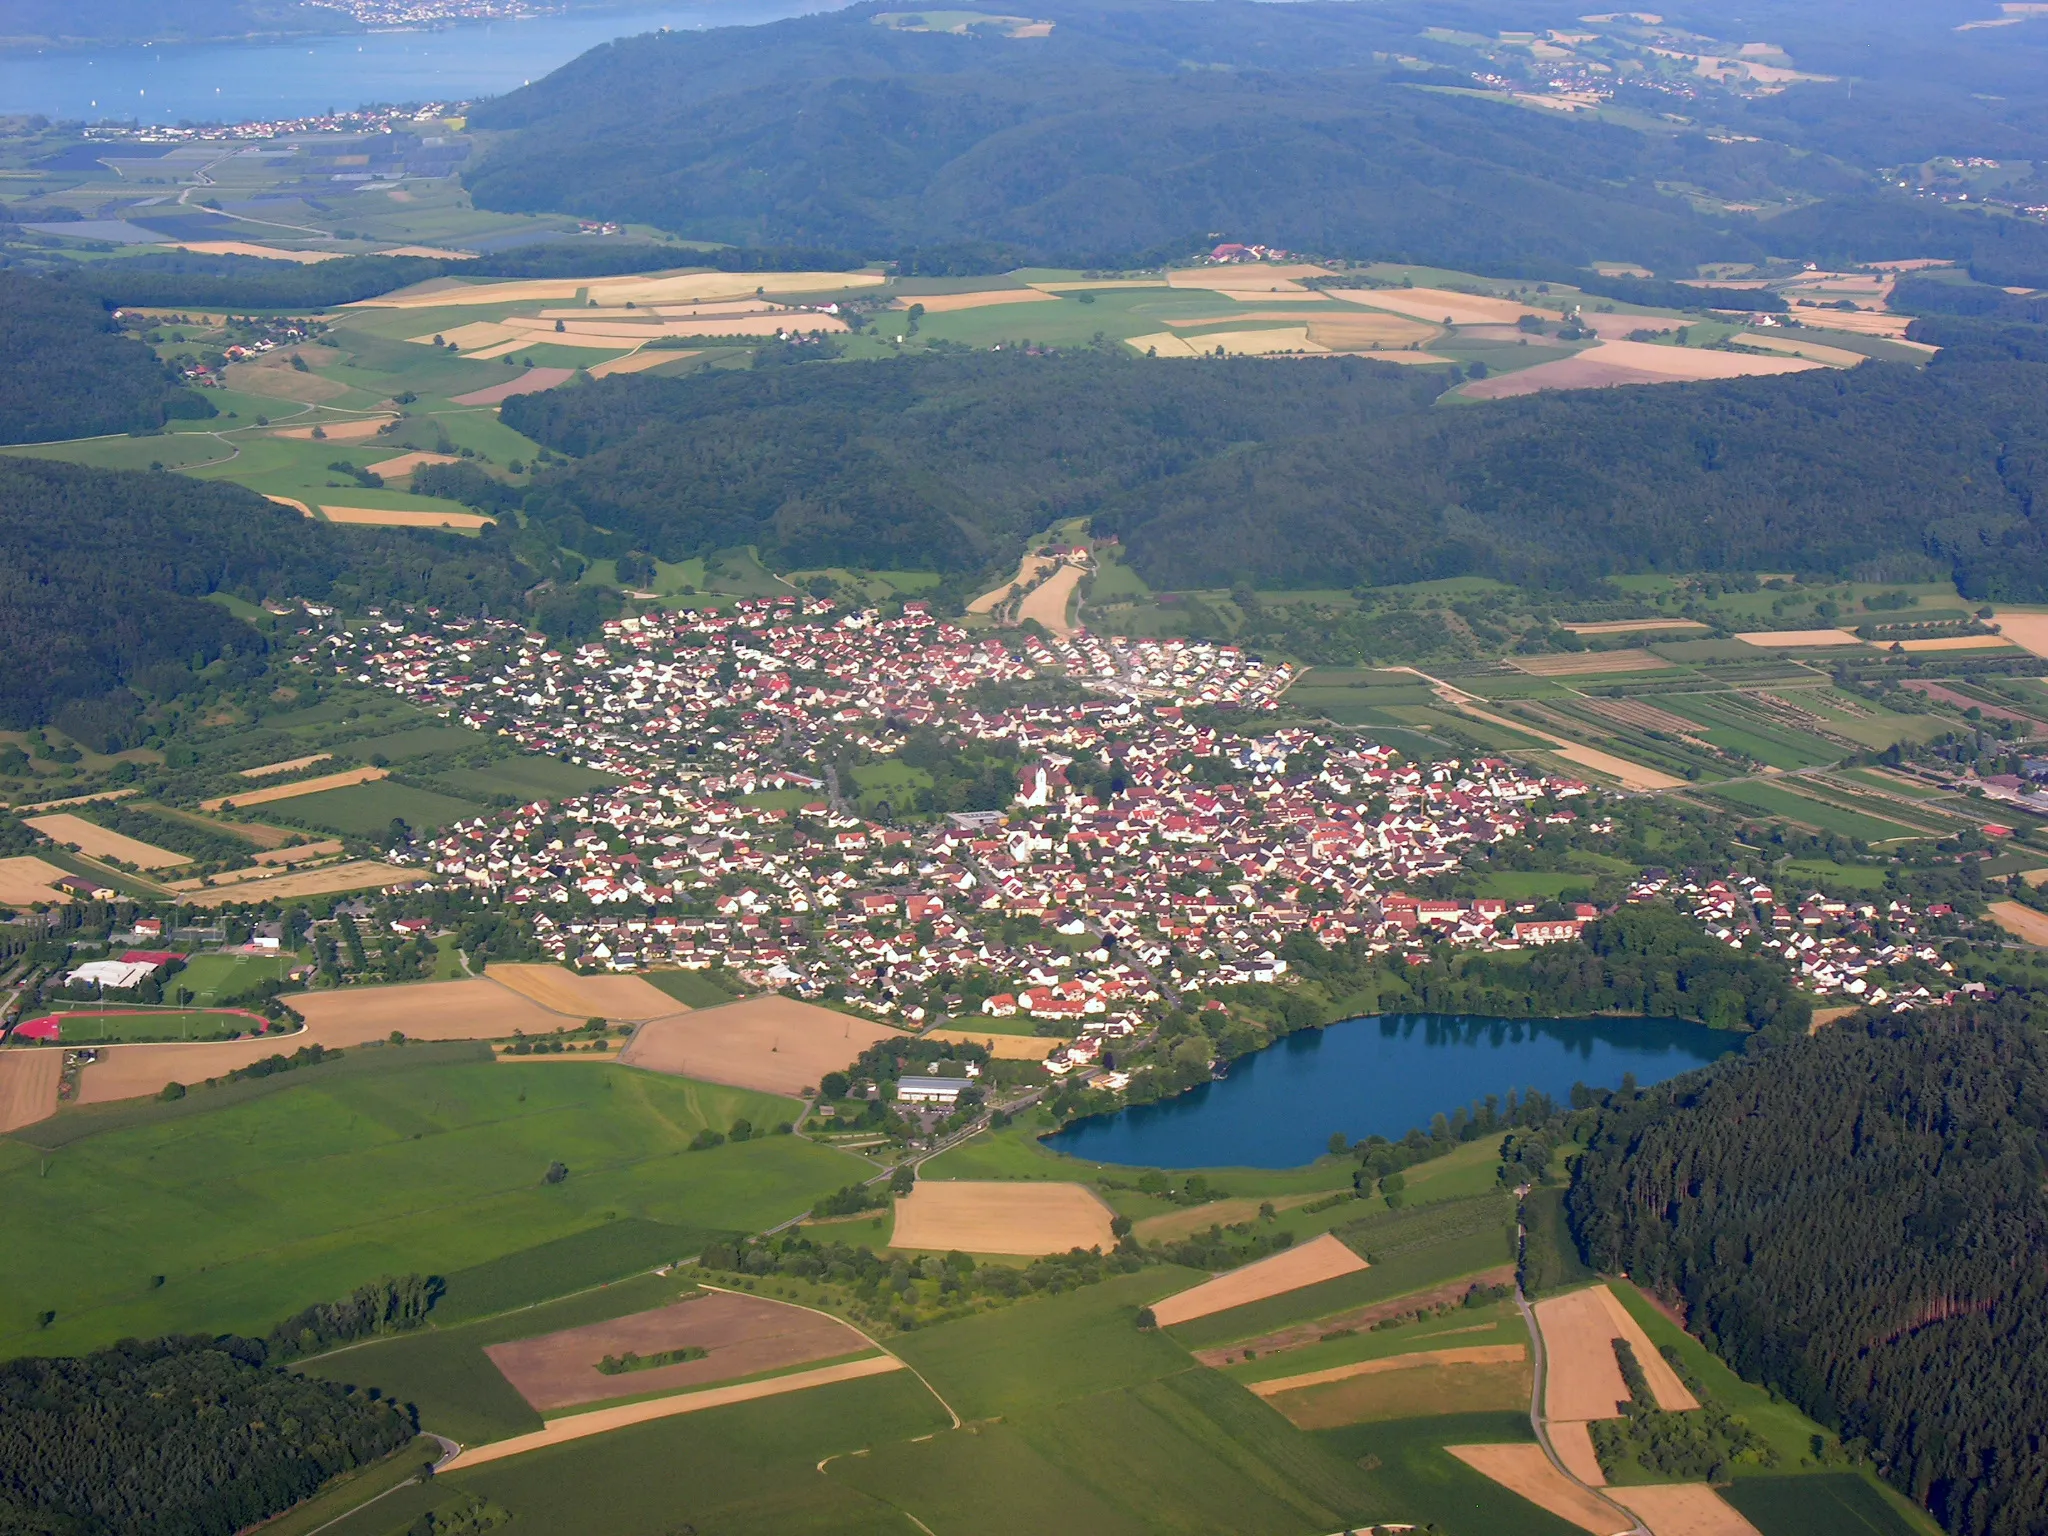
[(1380, 1076), (243, 82)]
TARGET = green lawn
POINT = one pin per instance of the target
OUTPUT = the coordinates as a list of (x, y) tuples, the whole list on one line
[(88, 1027), (252, 1211), (210, 978), (367, 810)]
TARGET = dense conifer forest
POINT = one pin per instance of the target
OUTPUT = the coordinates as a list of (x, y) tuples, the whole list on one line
[(71, 373), (1857, 1219)]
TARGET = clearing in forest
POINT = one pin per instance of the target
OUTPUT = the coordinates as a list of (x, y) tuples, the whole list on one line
[(1311, 1263), (775, 1044), (728, 1336), (1024, 1219)]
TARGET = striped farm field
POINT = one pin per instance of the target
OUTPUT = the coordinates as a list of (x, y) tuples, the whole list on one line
[(1773, 800)]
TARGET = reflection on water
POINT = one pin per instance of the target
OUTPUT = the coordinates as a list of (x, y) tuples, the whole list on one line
[(1381, 1076)]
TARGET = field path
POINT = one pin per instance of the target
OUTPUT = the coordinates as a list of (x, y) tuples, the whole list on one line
[(580, 1426)]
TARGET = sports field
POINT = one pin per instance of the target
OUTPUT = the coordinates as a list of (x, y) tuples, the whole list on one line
[(252, 1211)]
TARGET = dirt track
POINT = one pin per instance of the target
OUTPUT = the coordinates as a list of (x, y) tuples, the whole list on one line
[(600, 1420), (775, 1044), (28, 1085), (1321, 1258), (1025, 1219)]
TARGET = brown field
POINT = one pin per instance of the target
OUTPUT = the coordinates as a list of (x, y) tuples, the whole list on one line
[(28, 1085), (531, 381), (1161, 344), (1436, 305), (1028, 569), (1609, 363), (289, 765), (267, 865), (1684, 1509), (1409, 1394), (1027, 1220), (616, 292), (621, 999), (1358, 1320), (1864, 322), (99, 843), (2022, 923), (471, 1009), (244, 248), (2028, 631), (1525, 1470), (1321, 1258), (1588, 663), (941, 303), (471, 337), (742, 1336), (775, 1044), (386, 517), (1635, 712), (1956, 643), (27, 880), (1798, 346), (1573, 1442), (339, 431), (406, 463), (1584, 1382), (598, 1421), (280, 381), (58, 805), (635, 362), (1470, 1354), (1632, 626), (327, 880), (1002, 1047), (137, 1071), (1049, 601), (1796, 639), (294, 790)]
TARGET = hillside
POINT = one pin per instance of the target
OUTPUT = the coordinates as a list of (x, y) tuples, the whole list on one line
[(1310, 474), (71, 373), (1879, 1180)]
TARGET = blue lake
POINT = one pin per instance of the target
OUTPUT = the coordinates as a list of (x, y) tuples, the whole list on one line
[(1381, 1076), (243, 82)]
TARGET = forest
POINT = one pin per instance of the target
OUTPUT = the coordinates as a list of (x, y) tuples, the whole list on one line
[(1856, 1219), (104, 596), (1141, 130), (174, 1437), (1319, 474), (71, 373)]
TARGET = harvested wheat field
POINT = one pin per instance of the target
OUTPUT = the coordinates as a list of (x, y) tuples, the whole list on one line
[(1631, 626), (340, 431), (1255, 281), (1420, 1386), (1868, 322), (598, 1421), (1471, 1354), (1814, 351), (1310, 1263), (1684, 1509), (1049, 601), (473, 1009), (775, 1044), (652, 288), (1024, 1219), (636, 362), (293, 790), (27, 880), (1572, 1439), (1001, 1047), (1437, 305), (2021, 922), (1796, 639), (1958, 643), (2028, 631), (1584, 1382), (1363, 330), (406, 463), (329, 879), (740, 1335), (621, 999), (945, 303), (28, 1085), (389, 517), (138, 1071), (1609, 363), (1258, 343), (96, 841), (1525, 1470), (529, 382), (58, 805), (1161, 344), (244, 248), (1029, 568), (1588, 663), (1630, 776), (289, 765), (471, 337)]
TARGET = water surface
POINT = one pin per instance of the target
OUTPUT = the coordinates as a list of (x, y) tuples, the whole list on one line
[(1381, 1076), (243, 82)]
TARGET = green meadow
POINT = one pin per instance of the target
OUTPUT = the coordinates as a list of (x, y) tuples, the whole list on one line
[(252, 1211)]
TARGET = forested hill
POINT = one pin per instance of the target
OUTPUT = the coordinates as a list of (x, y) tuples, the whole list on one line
[(1858, 1219), (103, 594), (1145, 127), (1313, 473), (70, 373)]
